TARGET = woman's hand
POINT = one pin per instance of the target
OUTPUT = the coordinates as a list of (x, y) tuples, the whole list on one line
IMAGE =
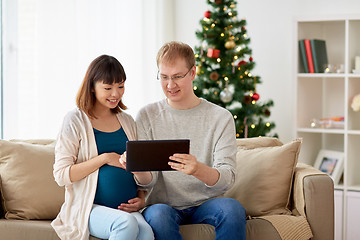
[(134, 204), (112, 159), (81, 170)]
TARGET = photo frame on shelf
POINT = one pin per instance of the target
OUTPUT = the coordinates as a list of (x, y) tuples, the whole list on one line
[(330, 162)]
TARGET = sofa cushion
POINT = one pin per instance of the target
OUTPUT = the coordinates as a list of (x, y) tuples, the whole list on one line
[(28, 188), (265, 169)]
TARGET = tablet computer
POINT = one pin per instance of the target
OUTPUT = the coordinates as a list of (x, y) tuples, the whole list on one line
[(153, 155)]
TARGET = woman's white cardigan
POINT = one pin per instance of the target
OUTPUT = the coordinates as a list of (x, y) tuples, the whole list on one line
[(75, 144)]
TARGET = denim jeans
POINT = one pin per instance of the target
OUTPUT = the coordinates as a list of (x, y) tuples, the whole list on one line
[(225, 214), (114, 224)]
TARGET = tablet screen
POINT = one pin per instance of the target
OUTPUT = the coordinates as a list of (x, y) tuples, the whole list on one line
[(153, 155)]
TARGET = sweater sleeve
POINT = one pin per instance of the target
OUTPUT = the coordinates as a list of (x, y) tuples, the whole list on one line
[(224, 155), (143, 133)]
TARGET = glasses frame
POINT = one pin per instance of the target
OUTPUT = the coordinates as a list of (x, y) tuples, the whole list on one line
[(173, 78)]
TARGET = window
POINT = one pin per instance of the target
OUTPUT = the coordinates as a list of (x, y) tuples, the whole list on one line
[(48, 45)]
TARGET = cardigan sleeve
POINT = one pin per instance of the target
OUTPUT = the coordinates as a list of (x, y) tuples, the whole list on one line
[(66, 150), (128, 124)]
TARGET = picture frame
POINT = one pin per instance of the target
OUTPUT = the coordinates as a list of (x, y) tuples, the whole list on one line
[(331, 163)]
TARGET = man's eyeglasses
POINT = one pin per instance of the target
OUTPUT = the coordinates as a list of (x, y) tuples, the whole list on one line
[(174, 78)]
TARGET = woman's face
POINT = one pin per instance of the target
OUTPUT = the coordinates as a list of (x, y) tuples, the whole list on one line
[(108, 95)]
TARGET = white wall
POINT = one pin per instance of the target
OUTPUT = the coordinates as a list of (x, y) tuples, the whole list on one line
[(150, 24), (270, 28)]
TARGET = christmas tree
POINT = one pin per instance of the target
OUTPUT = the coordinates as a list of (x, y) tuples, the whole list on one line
[(223, 69)]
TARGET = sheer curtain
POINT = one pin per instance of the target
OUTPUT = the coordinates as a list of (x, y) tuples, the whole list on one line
[(48, 45)]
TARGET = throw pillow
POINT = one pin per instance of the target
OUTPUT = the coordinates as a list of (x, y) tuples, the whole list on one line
[(264, 175), (257, 142), (28, 188)]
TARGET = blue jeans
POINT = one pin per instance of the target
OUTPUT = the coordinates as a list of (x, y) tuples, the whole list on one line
[(225, 214), (114, 224)]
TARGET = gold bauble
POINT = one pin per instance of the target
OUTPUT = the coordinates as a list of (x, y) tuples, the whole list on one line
[(230, 44), (198, 69), (214, 76)]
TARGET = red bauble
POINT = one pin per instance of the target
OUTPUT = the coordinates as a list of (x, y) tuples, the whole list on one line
[(214, 53), (255, 96), (217, 1), (250, 59), (207, 14), (242, 62)]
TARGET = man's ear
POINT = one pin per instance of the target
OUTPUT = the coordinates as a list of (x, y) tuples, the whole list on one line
[(193, 72)]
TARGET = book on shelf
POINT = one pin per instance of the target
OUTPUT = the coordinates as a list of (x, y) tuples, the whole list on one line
[(303, 56), (309, 55), (319, 55), (313, 55)]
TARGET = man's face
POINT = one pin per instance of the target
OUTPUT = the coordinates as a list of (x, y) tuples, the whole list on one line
[(177, 81)]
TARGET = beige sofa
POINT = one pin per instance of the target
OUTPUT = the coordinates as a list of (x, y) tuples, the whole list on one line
[(284, 199)]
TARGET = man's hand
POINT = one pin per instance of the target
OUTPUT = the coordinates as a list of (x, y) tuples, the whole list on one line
[(185, 163), (189, 165), (122, 160)]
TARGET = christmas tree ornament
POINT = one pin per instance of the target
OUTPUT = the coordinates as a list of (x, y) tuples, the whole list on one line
[(255, 96), (232, 5), (247, 99), (246, 128), (234, 106), (198, 70), (250, 59), (213, 53), (207, 14), (218, 1), (230, 44), (214, 76), (242, 62), (226, 96), (267, 112)]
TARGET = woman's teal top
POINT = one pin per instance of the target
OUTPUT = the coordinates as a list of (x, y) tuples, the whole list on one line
[(115, 185)]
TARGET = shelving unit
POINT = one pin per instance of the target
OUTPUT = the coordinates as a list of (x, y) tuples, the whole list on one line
[(324, 95)]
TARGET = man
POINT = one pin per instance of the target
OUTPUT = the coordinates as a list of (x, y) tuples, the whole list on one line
[(193, 193)]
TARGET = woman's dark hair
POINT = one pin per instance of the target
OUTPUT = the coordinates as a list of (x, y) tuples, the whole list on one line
[(106, 69)]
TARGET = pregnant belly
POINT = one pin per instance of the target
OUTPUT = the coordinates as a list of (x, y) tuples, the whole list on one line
[(115, 186)]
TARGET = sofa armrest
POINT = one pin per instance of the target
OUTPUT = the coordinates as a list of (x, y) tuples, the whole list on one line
[(313, 197), (2, 212)]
